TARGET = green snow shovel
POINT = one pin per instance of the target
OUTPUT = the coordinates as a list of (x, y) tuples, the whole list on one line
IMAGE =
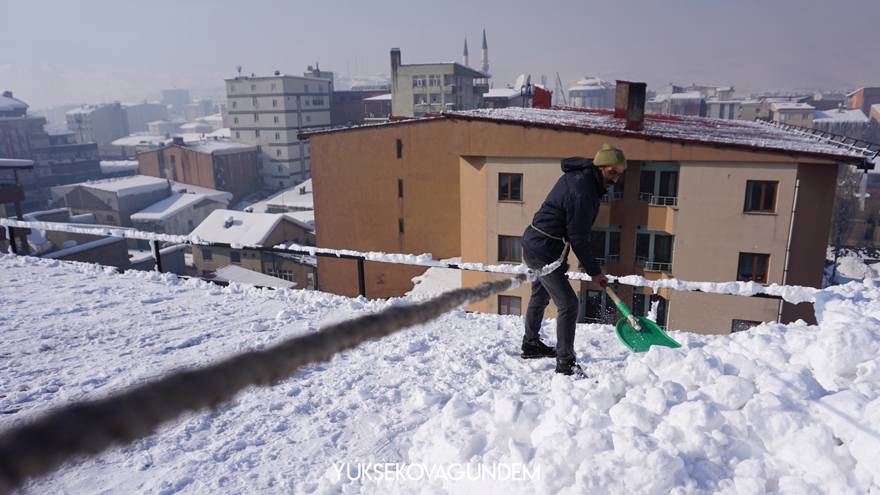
[(637, 332)]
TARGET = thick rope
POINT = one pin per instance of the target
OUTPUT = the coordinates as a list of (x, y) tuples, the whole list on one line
[(88, 428)]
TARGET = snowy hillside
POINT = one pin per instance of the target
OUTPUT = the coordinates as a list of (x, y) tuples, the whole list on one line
[(783, 409)]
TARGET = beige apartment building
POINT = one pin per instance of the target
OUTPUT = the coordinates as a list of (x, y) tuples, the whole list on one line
[(419, 89), (702, 200)]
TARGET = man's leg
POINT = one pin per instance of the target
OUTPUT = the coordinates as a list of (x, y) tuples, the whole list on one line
[(557, 285), (535, 312)]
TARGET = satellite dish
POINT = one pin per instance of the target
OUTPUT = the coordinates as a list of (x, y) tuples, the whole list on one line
[(238, 69), (520, 82)]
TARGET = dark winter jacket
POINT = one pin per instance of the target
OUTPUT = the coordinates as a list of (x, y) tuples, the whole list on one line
[(568, 213)]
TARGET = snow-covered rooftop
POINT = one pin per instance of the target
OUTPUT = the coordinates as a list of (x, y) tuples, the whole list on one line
[(9, 103), (111, 166), (690, 95), (385, 97), (240, 275), (222, 196), (840, 115), (124, 186), (502, 93), (219, 146), (238, 227), (169, 206), (141, 140), (775, 409), (783, 106), (590, 84)]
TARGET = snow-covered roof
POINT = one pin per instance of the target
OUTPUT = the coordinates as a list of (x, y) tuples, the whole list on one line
[(791, 106), (219, 147), (190, 126), (501, 93), (170, 206), (385, 97), (124, 186), (299, 196), (224, 132), (690, 95), (238, 227), (240, 275), (840, 115), (83, 247), (141, 140), (112, 166), (306, 216), (221, 196), (9, 103), (591, 84)]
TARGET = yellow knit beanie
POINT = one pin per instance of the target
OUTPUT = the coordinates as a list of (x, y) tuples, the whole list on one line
[(608, 156)]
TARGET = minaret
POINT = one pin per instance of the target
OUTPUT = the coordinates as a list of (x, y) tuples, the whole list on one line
[(484, 57), (465, 54)]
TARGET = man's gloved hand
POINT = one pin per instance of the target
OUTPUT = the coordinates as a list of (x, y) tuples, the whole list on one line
[(601, 279)]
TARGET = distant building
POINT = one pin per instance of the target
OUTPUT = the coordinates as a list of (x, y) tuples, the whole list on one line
[(687, 103), (58, 159), (163, 127), (199, 108), (724, 109), (591, 92), (177, 214), (127, 148), (419, 89), (799, 114), (112, 201), (175, 100), (268, 112), (506, 97), (863, 99), (196, 128), (108, 251), (298, 202), (352, 107), (875, 112), (98, 123), (377, 107), (141, 114), (255, 229), (214, 164), (845, 122)]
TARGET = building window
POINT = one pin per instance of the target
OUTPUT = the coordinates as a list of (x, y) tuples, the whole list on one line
[(419, 81), (253, 87), (254, 100), (420, 99), (509, 248), (206, 254), (232, 88), (235, 120), (234, 104), (642, 304), (276, 119), (173, 160), (434, 80), (237, 134), (399, 188), (509, 305), (510, 187), (654, 251), (435, 98), (257, 133), (597, 308), (753, 267), (400, 225), (306, 88), (277, 135), (742, 325), (308, 118), (272, 86), (256, 117), (399, 145), (761, 196), (274, 103), (278, 153), (235, 256)]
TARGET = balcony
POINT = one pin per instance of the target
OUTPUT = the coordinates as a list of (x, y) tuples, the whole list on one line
[(611, 197), (654, 200), (653, 266)]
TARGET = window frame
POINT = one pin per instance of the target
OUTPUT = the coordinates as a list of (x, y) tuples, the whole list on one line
[(756, 258), (505, 249), (762, 184), (505, 187), (505, 305)]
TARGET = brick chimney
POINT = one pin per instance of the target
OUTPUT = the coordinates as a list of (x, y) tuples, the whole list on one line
[(395, 64), (630, 104)]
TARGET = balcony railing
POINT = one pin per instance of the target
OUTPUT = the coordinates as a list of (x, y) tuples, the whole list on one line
[(655, 200), (653, 266), (612, 197)]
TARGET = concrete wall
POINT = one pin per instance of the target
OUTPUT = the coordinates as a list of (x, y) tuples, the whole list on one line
[(232, 172)]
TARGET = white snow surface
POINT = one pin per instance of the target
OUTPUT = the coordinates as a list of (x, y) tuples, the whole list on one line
[(777, 409)]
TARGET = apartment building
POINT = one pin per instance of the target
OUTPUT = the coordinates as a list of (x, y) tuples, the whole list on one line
[(420, 89), (254, 229), (100, 124), (863, 99), (799, 114), (702, 199), (139, 115), (269, 112), (591, 92)]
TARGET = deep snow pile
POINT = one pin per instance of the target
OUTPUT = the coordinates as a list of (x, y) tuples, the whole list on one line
[(786, 409)]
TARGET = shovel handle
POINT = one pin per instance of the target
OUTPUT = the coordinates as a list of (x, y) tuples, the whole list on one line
[(624, 310)]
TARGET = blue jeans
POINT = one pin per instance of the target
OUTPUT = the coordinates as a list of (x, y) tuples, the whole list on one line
[(552, 286)]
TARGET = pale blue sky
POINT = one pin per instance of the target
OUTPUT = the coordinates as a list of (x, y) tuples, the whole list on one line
[(71, 51)]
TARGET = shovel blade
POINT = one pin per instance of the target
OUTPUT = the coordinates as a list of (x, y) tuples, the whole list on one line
[(651, 334)]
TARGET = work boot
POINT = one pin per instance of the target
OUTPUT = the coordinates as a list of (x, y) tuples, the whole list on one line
[(537, 349), (568, 367)]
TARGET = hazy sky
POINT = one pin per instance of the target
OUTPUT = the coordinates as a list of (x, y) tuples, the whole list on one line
[(71, 51)]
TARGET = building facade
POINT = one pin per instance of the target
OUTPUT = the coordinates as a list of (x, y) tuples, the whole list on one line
[(592, 92), (863, 98), (420, 89), (141, 114), (214, 164), (269, 112), (468, 184), (100, 124)]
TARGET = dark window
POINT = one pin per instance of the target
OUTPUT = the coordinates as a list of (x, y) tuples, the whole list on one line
[(614, 243), (753, 267), (643, 243), (663, 248), (642, 304), (509, 248), (509, 305), (597, 243), (400, 225), (646, 182), (399, 145), (760, 196), (742, 325), (510, 187), (669, 184), (206, 254), (399, 188), (235, 256), (173, 160)]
